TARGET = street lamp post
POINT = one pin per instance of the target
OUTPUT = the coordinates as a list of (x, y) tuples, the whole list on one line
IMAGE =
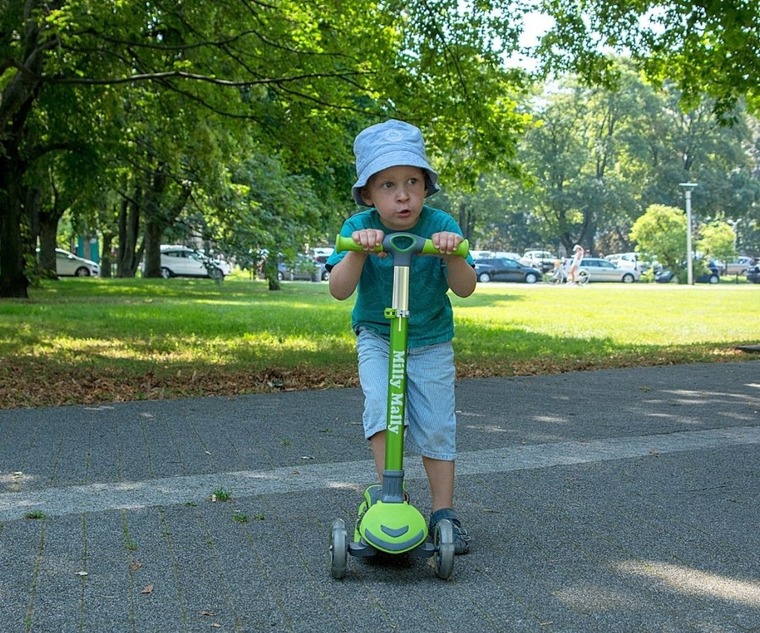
[(687, 187)]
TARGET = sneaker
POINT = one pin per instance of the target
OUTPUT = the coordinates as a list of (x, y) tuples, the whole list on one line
[(461, 537), (371, 496)]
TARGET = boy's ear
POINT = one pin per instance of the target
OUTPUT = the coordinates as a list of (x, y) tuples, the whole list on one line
[(366, 198)]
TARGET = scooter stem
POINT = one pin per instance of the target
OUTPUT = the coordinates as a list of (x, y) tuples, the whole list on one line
[(398, 313)]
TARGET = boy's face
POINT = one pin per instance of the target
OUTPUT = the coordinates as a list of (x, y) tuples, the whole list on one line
[(398, 194)]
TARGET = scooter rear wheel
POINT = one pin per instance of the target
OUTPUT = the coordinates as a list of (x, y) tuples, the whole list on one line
[(443, 539), (338, 549)]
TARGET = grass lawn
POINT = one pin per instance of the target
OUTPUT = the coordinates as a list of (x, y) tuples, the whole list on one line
[(97, 340)]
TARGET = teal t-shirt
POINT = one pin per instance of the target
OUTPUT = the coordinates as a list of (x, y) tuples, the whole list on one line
[(431, 318)]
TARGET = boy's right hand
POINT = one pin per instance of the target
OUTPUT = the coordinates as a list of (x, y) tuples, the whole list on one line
[(369, 239)]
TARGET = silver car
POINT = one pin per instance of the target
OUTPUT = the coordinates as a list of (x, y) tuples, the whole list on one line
[(599, 269), (181, 261), (69, 265)]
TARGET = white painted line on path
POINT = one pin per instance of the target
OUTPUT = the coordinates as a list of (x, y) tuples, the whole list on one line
[(168, 491)]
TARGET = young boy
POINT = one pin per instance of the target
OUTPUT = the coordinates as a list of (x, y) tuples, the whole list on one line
[(393, 179)]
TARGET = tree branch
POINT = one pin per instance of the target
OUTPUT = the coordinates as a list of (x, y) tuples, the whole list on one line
[(181, 74)]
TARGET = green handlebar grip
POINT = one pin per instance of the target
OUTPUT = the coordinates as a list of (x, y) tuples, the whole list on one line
[(343, 243), (461, 250)]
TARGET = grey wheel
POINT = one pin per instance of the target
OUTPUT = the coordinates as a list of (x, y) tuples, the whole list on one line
[(582, 279), (339, 549), (628, 278), (216, 274), (166, 273), (82, 272), (531, 278), (714, 279), (443, 539), (484, 277)]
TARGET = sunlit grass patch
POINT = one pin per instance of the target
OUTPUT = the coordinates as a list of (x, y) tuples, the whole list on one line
[(94, 340)]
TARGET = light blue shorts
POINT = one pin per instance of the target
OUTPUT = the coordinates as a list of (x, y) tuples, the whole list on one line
[(430, 408)]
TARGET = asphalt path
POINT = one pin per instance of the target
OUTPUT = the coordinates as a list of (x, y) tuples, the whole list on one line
[(619, 500)]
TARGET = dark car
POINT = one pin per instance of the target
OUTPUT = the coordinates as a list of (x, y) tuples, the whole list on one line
[(321, 260), (304, 268), (753, 274), (712, 276), (502, 269)]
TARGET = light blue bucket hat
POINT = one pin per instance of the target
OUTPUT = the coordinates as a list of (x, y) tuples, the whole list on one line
[(390, 144)]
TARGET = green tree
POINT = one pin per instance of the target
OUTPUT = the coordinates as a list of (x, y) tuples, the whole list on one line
[(300, 78), (706, 48), (716, 241), (660, 234)]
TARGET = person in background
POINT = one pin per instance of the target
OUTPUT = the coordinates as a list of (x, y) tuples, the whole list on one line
[(575, 262)]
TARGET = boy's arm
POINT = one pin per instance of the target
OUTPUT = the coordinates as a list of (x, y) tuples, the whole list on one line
[(461, 276), (345, 275)]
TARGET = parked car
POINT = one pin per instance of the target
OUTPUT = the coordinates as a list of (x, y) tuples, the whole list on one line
[(304, 268), (625, 260), (502, 269), (753, 274), (599, 269), (542, 260), (321, 260), (69, 265), (712, 276), (182, 261), (218, 261), (496, 254), (738, 266)]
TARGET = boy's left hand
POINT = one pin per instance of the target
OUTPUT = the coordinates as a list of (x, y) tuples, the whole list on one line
[(446, 242)]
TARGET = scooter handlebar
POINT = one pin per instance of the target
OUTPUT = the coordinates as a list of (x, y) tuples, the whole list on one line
[(401, 243)]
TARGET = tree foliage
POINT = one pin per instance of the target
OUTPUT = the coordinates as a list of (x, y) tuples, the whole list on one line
[(173, 97), (597, 158), (660, 234), (706, 48)]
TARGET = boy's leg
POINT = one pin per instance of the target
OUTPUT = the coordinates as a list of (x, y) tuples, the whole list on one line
[(377, 443), (441, 479)]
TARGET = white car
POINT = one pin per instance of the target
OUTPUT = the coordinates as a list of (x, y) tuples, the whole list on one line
[(542, 260), (599, 269), (69, 265), (625, 260), (181, 261)]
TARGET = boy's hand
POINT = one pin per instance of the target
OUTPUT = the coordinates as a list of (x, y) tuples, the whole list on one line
[(446, 242), (368, 239)]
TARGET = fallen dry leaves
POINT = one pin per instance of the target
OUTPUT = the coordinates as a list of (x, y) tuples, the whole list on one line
[(31, 382)]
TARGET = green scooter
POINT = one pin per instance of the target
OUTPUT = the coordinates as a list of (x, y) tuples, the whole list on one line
[(388, 522)]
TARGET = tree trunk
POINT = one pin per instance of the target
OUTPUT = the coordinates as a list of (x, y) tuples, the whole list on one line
[(105, 255), (128, 256), (13, 280), (155, 223), (48, 235), (152, 253), (466, 220), (18, 97)]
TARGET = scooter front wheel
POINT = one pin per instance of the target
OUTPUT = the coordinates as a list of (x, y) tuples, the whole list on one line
[(443, 539), (338, 549)]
